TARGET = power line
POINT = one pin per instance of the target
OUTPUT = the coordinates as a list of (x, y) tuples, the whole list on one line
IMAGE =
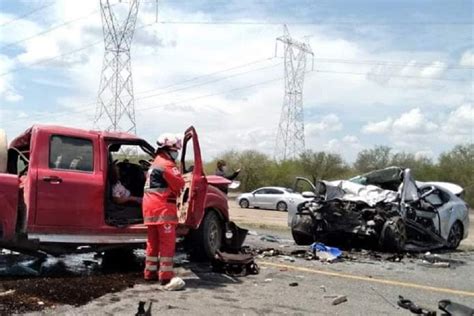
[(414, 64), (348, 23), (207, 82), (66, 23), (64, 54), (87, 108), (388, 75), (27, 14)]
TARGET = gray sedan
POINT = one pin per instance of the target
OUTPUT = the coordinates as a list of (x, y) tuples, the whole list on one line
[(274, 198)]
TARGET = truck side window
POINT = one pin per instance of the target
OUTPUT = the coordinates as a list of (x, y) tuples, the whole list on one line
[(70, 153)]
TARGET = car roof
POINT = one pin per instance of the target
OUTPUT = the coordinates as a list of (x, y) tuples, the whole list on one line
[(277, 188)]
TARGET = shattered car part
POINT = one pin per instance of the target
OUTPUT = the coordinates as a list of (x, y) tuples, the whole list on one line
[(385, 208)]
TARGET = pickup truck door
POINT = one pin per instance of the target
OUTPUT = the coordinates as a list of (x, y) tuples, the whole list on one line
[(192, 200), (70, 185)]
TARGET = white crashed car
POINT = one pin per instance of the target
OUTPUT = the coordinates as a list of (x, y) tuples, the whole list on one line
[(272, 198), (387, 207)]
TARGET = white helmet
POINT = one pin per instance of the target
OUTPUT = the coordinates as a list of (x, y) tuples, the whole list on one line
[(170, 141)]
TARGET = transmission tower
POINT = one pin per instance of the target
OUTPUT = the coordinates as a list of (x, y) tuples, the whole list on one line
[(290, 137), (115, 105)]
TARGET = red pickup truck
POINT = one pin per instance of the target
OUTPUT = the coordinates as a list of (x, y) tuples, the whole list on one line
[(56, 193)]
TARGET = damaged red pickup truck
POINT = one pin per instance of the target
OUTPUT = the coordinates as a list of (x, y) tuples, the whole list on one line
[(56, 194)]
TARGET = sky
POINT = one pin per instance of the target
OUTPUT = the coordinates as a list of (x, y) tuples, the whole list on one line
[(392, 73)]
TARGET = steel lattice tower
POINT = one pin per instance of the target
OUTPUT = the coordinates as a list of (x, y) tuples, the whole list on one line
[(290, 137), (115, 106)]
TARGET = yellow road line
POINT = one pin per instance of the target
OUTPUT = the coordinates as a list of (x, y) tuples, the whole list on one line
[(367, 279)]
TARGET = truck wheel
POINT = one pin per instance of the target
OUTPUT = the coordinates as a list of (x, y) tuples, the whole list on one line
[(3, 151), (207, 239), (301, 239)]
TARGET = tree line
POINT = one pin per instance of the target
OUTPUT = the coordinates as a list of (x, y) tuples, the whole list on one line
[(259, 169)]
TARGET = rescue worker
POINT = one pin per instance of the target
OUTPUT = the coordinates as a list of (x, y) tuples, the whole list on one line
[(163, 185)]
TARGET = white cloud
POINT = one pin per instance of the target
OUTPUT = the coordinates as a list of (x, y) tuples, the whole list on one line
[(381, 127), (328, 123), (7, 89), (459, 125), (413, 122), (165, 54), (467, 59)]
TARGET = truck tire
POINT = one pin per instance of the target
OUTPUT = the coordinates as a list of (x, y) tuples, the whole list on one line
[(3, 151), (207, 239)]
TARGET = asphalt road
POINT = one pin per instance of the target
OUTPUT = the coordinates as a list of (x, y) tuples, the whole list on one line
[(372, 286)]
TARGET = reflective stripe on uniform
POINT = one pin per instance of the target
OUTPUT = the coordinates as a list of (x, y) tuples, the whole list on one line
[(159, 190), (159, 218), (152, 259), (149, 267), (166, 268), (166, 259)]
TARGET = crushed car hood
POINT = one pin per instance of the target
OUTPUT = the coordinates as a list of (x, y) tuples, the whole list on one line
[(350, 191)]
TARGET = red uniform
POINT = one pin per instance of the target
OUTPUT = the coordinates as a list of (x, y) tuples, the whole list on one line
[(163, 185)]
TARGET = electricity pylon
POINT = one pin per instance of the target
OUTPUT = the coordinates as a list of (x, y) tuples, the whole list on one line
[(115, 105), (290, 140)]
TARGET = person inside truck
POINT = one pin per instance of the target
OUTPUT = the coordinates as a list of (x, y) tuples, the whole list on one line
[(120, 194)]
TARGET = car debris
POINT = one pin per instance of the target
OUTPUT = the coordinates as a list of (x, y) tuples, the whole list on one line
[(9, 292), (144, 308), (176, 284), (385, 209), (239, 264), (452, 308), (325, 253), (339, 299), (414, 308), (270, 238)]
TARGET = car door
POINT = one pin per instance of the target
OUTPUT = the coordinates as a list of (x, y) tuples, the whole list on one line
[(256, 199), (273, 197), (70, 185), (192, 200)]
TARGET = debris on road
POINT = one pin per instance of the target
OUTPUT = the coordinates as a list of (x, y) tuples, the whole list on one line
[(240, 264), (293, 284), (452, 308), (9, 292), (414, 308), (144, 308), (270, 238), (325, 253), (176, 284), (287, 258), (340, 299)]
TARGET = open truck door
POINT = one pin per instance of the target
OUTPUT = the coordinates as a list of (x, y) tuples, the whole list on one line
[(191, 202)]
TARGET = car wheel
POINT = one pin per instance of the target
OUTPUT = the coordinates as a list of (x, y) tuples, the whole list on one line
[(394, 235), (301, 239), (244, 203), (281, 206), (3, 151), (207, 239), (455, 235)]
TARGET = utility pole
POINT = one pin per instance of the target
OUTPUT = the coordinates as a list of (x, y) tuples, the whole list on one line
[(290, 140), (115, 109)]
